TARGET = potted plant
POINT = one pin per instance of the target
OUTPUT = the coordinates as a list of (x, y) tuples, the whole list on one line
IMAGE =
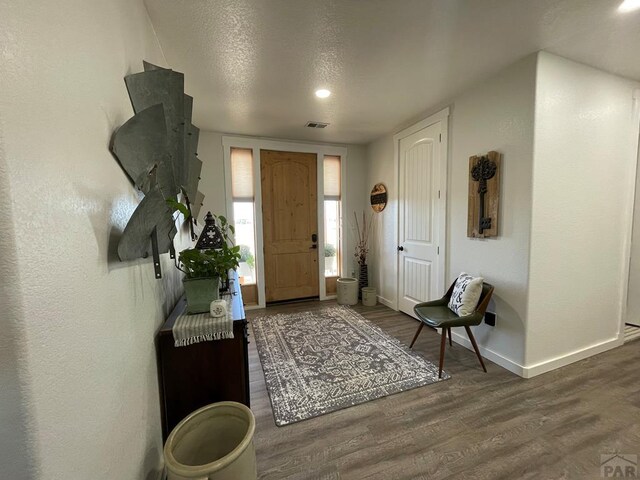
[(247, 263), (330, 257), (203, 269)]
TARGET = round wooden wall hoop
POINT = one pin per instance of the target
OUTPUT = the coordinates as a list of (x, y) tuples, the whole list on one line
[(378, 197)]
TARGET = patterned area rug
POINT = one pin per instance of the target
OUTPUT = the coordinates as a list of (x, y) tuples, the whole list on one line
[(319, 362)]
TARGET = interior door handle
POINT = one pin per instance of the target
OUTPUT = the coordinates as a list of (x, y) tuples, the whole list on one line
[(401, 248)]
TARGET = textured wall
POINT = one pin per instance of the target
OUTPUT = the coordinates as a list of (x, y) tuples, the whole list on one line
[(384, 254), (495, 115), (356, 199), (569, 138), (212, 175), (584, 165), (15, 448), (633, 297), (78, 356)]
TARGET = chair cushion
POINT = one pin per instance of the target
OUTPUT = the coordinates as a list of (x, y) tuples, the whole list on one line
[(466, 294), (435, 316)]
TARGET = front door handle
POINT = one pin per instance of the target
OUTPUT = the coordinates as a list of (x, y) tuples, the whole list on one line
[(314, 246)]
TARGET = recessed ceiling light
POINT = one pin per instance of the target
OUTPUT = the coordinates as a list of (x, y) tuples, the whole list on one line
[(629, 5), (322, 93)]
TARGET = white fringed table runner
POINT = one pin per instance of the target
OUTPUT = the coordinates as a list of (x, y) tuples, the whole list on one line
[(202, 327)]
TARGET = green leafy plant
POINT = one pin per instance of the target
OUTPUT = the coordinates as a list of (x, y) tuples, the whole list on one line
[(329, 250), (175, 205), (213, 262), (246, 256)]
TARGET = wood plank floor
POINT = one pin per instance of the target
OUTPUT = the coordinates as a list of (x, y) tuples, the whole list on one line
[(474, 426)]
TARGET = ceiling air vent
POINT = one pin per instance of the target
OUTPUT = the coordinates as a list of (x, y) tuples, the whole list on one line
[(316, 125)]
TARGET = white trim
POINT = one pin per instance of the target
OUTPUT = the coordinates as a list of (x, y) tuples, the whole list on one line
[(282, 145), (495, 357), (228, 196), (257, 214), (531, 371), (322, 283), (257, 144), (421, 125), (575, 356), (386, 302), (344, 232), (443, 117)]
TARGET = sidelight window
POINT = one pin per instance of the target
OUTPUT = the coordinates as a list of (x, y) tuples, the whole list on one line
[(332, 214), (244, 212)]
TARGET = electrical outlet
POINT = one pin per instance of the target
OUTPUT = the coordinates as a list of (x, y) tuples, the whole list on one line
[(490, 318)]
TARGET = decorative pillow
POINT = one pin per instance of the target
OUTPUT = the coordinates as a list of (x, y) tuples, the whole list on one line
[(466, 294)]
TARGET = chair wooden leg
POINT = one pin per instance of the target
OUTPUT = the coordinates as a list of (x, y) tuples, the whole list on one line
[(415, 337), (443, 343), (449, 333), (475, 347)]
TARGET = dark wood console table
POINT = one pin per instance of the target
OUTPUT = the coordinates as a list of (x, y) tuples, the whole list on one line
[(203, 373)]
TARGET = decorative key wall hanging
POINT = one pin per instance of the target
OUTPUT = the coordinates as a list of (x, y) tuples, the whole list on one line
[(484, 195), (157, 148)]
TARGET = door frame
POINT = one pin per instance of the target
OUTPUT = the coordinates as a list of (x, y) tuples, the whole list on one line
[(257, 144), (441, 116)]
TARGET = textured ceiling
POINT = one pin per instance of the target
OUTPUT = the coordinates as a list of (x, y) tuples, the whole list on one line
[(253, 65)]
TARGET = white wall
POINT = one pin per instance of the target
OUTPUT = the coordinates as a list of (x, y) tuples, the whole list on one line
[(568, 135), (78, 326), (495, 115), (16, 459), (212, 175), (633, 294), (584, 176), (355, 199), (383, 251)]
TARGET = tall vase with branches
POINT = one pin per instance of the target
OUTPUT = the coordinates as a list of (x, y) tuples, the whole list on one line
[(363, 230)]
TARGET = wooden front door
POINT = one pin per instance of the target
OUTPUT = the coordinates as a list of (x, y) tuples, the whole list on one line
[(290, 224)]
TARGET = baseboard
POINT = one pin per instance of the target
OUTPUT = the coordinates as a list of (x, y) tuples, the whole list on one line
[(504, 362), (542, 367), (575, 356), (386, 302)]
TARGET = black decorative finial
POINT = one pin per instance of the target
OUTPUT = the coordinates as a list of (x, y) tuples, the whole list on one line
[(210, 238)]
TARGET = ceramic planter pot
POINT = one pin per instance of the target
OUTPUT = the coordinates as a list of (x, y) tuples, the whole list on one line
[(347, 291), (213, 443), (363, 278), (200, 293)]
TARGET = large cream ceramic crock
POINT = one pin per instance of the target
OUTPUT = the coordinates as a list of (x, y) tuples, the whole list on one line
[(213, 443)]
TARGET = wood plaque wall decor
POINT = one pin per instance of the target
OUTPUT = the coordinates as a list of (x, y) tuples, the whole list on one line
[(484, 195), (378, 197)]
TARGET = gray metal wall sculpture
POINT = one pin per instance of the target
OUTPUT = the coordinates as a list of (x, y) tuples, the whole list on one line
[(157, 148)]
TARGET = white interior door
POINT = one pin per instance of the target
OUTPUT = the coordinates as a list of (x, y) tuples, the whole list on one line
[(422, 168)]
